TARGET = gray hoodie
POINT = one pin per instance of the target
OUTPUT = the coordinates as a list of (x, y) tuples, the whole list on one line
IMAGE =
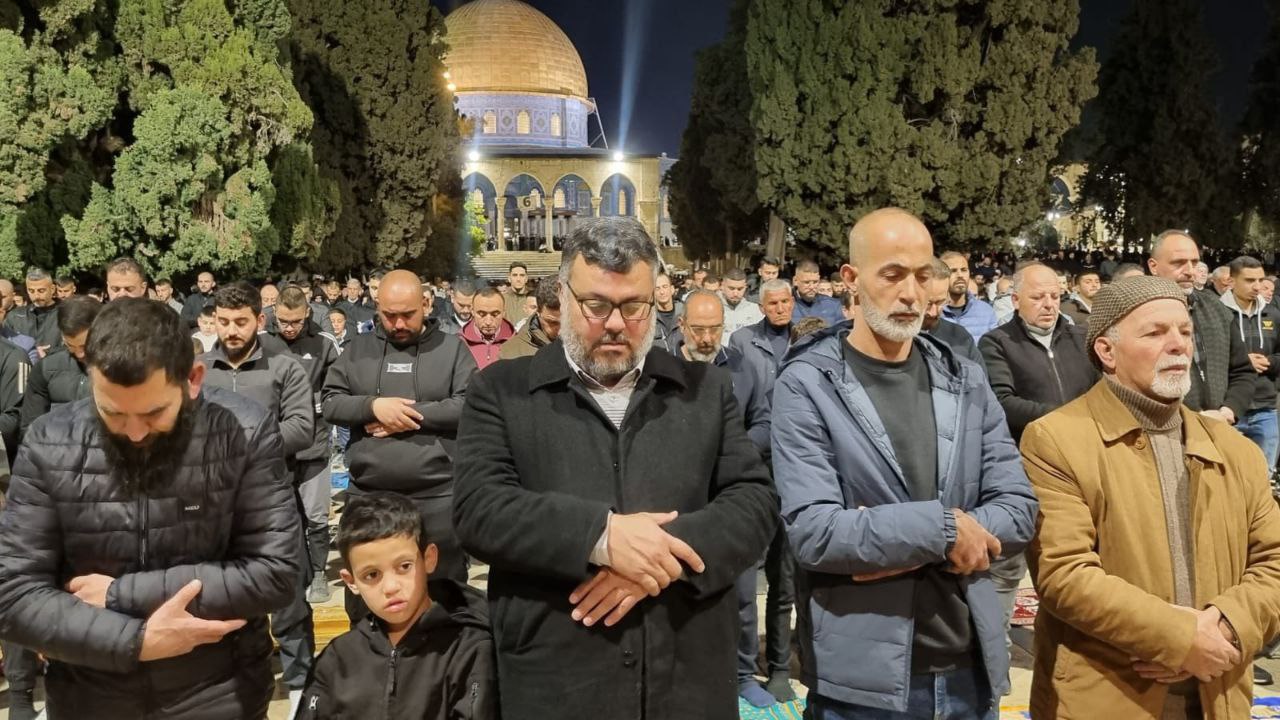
[(277, 382)]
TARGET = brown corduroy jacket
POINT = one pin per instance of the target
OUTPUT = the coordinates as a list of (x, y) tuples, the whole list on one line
[(1100, 559)]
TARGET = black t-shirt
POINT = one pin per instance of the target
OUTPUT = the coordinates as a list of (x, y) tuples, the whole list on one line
[(903, 398)]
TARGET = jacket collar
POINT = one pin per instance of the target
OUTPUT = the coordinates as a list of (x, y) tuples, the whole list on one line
[(429, 327), (1115, 421), (472, 335), (551, 367), (1229, 299), (825, 351)]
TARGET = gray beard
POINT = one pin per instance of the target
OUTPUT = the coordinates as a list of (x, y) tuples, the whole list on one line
[(605, 372), (888, 328)]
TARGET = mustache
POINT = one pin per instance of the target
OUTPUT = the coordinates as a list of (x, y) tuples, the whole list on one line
[(1172, 362)]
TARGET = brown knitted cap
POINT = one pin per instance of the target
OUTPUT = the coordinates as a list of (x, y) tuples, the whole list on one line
[(1118, 299)]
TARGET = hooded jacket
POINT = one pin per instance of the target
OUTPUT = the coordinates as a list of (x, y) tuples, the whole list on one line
[(847, 510), (277, 382), (443, 668), (976, 316), (486, 352), (433, 371), (527, 341), (316, 351), (56, 380), (1259, 330)]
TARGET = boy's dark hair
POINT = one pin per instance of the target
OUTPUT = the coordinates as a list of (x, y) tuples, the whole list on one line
[(337, 311), (64, 280), (133, 337), (238, 295), (206, 310), (378, 516), (76, 314)]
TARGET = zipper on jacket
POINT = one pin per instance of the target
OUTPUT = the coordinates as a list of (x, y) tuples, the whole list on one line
[(475, 695), (143, 520), (391, 682), (1062, 395)]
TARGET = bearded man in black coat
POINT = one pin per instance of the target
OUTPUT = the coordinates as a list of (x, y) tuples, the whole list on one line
[(616, 496)]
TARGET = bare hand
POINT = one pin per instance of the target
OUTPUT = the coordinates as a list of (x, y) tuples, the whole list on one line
[(608, 595), (375, 429), (42, 350), (1260, 362), (1159, 673), (396, 414), (171, 631), (641, 551), (1212, 653), (91, 589), (882, 574), (974, 548)]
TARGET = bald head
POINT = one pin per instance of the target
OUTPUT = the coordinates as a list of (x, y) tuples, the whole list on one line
[(890, 225), (702, 324), (401, 308), (400, 283)]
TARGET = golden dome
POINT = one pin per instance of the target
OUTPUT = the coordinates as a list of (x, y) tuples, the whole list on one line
[(508, 46)]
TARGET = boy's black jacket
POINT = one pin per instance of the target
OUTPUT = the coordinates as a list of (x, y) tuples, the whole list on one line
[(443, 669)]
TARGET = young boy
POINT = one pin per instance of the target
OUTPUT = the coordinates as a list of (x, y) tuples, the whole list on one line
[(425, 651)]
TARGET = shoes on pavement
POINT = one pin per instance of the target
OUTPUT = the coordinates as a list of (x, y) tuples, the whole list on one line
[(779, 686), (757, 696), (319, 591), (1262, 677)]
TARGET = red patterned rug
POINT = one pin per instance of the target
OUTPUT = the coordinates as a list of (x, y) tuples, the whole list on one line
[(1025, 607)]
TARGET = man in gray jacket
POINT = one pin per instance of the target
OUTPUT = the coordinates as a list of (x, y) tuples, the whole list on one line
[(277, 382), (899, 485)]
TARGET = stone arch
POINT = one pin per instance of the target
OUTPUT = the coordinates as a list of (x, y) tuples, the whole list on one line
[(617, 196), (577, 193), (477, 181)]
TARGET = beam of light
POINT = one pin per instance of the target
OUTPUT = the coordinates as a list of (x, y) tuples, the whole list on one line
[(619, 156), (474, 156), (635, 32)]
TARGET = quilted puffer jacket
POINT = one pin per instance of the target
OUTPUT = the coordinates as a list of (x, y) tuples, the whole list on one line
[(228, 518)]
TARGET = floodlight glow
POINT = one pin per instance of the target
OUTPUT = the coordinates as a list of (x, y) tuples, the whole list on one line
[(618, 156), (474, 156)]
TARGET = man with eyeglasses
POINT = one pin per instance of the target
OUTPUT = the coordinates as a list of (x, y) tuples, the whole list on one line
[(317, 351), (608, 472), (400, 390)]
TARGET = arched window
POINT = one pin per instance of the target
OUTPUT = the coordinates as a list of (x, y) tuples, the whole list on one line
[(536, 197), (490, 123), (522, 123), (623, 202), (555, 125), (477, 197), (559, 198)]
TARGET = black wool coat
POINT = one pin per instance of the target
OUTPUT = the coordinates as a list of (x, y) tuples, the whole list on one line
[(539, 469)]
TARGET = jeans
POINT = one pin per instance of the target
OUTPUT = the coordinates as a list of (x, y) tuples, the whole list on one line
[(779, 570), (1262, 428), (962, 694)]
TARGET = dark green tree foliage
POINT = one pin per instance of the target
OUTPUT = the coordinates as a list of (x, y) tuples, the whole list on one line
[(953, 109), (151, 128), (713, 186), (1161, 160), (1262, 131), (386, 128)]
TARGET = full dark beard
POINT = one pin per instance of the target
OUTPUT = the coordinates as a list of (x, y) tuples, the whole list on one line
[(147, 468)]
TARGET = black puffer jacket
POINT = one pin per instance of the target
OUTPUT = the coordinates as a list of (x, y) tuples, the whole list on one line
[(443, 668), (229, 519), (56, 380)]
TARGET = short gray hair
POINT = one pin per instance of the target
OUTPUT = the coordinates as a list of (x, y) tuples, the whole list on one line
[(688, 300), (941, 271), (775, 285), (1019, 277), (1221, 272), (35, 274), (1172, 232), (613, 243)]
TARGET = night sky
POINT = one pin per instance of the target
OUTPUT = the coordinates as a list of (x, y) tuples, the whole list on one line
[(663, 35)]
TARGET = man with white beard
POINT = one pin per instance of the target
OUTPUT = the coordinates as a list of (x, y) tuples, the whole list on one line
[(900, 485), (1148, 612)]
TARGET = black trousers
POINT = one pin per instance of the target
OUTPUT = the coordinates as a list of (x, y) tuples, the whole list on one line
[(437, 522), (293, 626), (21, 668), (779, 570)]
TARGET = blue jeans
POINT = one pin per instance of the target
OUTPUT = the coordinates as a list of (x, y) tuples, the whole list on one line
[(962, 694), (1262, 428)]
